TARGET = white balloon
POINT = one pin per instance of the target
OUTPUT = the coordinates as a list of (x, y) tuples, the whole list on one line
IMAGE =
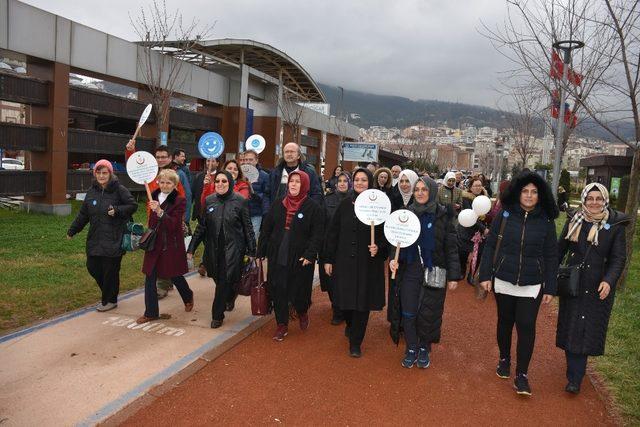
[(467, 218), (481, 205)]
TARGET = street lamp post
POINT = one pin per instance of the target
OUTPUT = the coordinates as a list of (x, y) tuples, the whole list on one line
[(566, 46)]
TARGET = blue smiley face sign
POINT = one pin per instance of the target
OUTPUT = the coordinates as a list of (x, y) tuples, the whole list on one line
[(211, 145)]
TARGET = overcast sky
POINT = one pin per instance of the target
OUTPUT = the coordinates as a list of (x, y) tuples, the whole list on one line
[(420, 49)]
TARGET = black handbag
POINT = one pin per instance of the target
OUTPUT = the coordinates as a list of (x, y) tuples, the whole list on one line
[(148, 240), (569, 277)]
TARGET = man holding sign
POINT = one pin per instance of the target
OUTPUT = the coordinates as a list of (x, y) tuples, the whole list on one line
[(424, 270), (357, 263)]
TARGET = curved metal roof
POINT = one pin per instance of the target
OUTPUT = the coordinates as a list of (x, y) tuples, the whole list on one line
[(262, 57)]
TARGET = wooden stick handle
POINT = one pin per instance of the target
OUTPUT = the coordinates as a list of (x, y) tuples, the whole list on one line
[(395, 259), (373, 233), (146, 187), (135, 135)]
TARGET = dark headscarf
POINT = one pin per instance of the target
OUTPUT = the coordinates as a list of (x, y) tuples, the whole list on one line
[(229, 192), (293, 203), (432, 204), (369, 177)]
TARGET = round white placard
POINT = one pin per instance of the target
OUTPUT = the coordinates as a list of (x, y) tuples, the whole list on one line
[(142, 167), (372, 206), (402, 228), (256, 143)]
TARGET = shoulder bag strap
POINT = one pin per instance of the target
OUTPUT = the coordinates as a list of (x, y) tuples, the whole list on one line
[(503, 223)]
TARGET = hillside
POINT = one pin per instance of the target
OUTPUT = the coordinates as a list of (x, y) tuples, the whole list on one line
[(396, 111)]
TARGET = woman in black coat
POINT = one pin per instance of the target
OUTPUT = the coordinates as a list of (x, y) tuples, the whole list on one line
[(332, 201), (107, 208), (420, 305), (358, 266), (523, 272), (226, 230), (595, 237), (291, 238)]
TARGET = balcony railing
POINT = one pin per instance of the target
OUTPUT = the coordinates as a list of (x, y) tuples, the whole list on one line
[(15, 136), (23, 89), (23, 183), (91, 141)]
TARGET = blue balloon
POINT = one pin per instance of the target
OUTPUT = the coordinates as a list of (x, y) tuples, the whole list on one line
[(210, 145)]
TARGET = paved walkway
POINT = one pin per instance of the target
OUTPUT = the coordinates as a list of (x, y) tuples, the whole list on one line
[(85, 366), (309, 379)]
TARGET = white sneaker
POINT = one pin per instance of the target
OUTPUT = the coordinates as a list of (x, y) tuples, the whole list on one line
[(106, 307)]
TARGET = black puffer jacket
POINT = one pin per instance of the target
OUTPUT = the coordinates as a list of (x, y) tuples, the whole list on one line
[(105, 231), (232, 215), (528, 252), (583, 321), (431, 307)]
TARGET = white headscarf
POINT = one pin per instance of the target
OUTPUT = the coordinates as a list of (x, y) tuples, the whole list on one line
[(449, 176), (413, 178)]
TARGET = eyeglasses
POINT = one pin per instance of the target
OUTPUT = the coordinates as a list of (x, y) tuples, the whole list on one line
[(221, 181), (594, 199)]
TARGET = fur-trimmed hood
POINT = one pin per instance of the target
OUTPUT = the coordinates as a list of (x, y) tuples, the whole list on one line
[(389, 183), (511, 196)]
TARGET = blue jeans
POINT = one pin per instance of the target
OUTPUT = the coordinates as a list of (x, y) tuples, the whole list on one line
[(256, 221)]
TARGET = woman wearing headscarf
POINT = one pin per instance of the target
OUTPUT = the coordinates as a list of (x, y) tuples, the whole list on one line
[(292, 237), (107, 207), (382, 180), (332, 201), (449, 194), (522, 271), (593, 236), (358, 265), (168, 259), (241, 186), (226, 230), (417, 305), (403, 196)]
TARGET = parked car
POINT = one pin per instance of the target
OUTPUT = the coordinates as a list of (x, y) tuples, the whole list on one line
[(12, 164)]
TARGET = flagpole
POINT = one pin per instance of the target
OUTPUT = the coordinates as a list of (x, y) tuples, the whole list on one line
[(566, 47)]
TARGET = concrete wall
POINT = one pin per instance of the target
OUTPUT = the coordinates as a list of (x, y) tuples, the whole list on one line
[(32, 31)]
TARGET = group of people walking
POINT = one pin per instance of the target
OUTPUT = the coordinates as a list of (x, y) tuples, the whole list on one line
[(512, 252)]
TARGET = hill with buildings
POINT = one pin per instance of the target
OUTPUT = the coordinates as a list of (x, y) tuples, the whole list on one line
[(366, 109)]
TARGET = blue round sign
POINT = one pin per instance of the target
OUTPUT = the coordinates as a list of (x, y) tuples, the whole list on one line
[(211, 145)]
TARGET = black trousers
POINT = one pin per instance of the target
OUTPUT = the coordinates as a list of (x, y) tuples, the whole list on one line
[(223, 293), (283, 290), (523, 312), (357, 324), (410, 301), (576, 367), (328, 284), (106, 272), (151, 293)]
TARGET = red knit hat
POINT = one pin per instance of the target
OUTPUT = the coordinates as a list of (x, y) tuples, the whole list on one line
[(103, 163)]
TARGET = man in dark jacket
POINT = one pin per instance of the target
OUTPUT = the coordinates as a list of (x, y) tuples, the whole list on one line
[(277, 185), (258, 203)]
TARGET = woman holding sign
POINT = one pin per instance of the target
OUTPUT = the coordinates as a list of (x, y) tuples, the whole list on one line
[(227, 233), (357, 264), (167, 259), (418, 302), (291, 239)]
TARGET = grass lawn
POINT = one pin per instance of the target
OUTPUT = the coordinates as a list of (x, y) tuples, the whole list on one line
[(620, 366), (42, 274)]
